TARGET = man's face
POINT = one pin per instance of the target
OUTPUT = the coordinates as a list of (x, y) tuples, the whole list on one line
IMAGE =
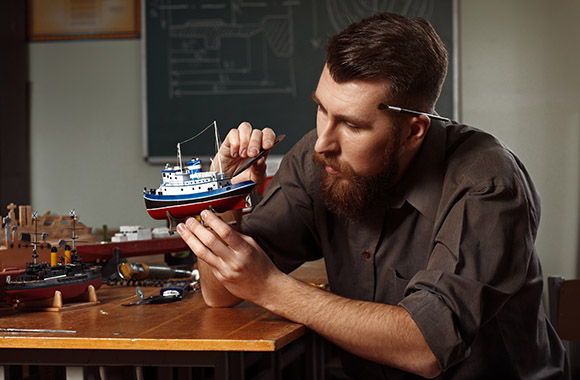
[(358, 146)]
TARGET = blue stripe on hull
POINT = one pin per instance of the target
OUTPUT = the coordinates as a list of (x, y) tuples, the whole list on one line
[(200, 197)]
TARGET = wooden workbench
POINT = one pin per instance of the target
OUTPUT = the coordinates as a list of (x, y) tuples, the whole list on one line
[(184, 333)]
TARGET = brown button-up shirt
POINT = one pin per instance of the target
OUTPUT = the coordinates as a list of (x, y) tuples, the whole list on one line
[(452, 242)]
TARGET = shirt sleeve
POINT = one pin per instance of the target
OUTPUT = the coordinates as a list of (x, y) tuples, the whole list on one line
[(479, 261), (283, 222)]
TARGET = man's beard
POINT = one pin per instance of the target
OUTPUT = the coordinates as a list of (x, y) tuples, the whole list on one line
[(348, 194)]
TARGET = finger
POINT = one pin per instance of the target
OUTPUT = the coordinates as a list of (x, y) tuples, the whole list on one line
[(255, 144), (208, 244), (268, 138), (200, 250), (229, 236), (232, 142), (258, 170), (245, 133), (210, 239)]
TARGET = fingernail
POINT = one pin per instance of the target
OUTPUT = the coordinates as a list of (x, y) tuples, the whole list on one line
[(180, 228), (189, 222), (204, 213), (253, 151), (244, 153)]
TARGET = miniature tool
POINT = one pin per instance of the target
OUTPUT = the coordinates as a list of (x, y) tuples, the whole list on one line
[(253, 160)]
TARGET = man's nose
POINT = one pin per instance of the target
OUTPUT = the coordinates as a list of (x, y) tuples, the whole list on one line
[(327, 139)]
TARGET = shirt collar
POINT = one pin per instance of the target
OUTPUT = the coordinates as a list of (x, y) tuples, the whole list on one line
[(421, 183)]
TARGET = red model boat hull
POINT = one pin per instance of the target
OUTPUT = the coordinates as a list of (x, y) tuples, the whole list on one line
[(190, 209), (68, 291)]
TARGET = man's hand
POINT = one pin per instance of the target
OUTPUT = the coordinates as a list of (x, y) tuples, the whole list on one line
[(240, 144), (235, 260)]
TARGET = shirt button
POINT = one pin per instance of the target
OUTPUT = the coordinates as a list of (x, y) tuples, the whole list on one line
[(366, 255)]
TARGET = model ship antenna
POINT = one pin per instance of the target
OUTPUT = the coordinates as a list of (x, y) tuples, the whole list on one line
[(179, 156), (34, 250), (218, 143), (73, 215)]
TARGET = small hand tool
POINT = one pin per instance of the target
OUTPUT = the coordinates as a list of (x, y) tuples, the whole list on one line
[(152, 299), (253, 160), (170, 293)]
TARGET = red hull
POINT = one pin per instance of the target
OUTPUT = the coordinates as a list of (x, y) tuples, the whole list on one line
[(68, 291), (191, 209)]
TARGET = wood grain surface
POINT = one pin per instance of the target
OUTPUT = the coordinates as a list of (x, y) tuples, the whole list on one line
[(187, 325)]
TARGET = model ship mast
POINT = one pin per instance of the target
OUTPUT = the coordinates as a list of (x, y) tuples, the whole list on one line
[(35, 242), (217, 141), (73, 215)]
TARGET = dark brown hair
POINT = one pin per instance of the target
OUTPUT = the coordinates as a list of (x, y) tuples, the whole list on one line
[(405, 52)]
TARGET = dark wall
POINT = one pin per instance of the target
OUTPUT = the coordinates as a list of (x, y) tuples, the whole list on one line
[(14, 106)]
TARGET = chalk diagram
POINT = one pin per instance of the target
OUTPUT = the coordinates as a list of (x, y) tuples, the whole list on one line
[(227, 47), (222, 47), (343, 12)]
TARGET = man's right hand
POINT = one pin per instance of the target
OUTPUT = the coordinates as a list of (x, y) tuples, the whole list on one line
[(240, 144)]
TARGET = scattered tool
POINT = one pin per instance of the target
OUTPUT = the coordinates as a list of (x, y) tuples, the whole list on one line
[(36, 331), (170, 293), (141, 271), (152, 299)]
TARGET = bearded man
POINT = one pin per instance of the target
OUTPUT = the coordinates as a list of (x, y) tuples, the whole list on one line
[(427, 226)]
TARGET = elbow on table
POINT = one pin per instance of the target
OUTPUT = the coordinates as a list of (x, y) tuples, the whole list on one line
[(220, 301), (429, 369)]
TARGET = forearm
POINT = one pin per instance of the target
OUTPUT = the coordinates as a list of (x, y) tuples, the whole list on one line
[(381, 333)]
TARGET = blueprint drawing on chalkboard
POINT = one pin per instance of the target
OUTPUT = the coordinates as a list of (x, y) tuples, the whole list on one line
[(251, 60), (228, 47)]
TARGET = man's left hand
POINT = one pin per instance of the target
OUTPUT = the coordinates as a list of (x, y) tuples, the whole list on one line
[(236, 260)]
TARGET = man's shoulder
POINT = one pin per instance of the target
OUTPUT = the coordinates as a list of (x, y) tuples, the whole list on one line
[(479, 157)]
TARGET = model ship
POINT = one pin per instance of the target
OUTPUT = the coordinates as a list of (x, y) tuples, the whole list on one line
[(41, 280), (186, 190)]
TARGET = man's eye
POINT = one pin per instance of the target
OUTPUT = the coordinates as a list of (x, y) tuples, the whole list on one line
[(353, 127)]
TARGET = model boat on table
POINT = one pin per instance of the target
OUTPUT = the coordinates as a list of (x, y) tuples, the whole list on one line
[(186, 190), (41, 280)]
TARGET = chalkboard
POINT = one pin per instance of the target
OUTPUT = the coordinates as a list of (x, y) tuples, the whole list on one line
[(255, 60)]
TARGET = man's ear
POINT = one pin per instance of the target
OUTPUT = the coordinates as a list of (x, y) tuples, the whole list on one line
[(416, 131)]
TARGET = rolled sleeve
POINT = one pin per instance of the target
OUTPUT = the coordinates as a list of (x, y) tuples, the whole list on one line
[(479, 261), (436, 322)]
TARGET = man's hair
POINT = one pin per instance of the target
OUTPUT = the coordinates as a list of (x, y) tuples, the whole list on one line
[(405, 52)]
